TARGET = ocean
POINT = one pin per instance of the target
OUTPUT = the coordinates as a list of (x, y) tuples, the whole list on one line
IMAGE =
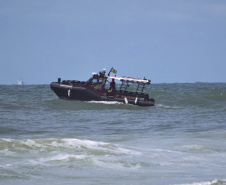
[(180, 140)]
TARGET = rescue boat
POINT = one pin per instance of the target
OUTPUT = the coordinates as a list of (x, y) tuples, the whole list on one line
[(96, 89)]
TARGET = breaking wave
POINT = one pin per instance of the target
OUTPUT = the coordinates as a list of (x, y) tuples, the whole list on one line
[(213, 182), (59, 144), (66, 151)]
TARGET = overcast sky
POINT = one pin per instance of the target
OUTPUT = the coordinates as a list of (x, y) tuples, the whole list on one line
[(164, 40)]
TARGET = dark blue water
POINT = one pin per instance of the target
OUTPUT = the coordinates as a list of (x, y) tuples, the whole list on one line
[(181, 140)]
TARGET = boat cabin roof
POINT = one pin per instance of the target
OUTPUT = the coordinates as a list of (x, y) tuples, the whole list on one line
[(131, 80)]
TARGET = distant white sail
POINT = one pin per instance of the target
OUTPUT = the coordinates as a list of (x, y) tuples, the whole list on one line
[(20, 81)]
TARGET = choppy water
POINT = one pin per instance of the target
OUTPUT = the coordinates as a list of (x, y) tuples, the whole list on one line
[(181, 140)]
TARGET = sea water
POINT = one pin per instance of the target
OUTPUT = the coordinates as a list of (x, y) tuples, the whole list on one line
[(180, 140)]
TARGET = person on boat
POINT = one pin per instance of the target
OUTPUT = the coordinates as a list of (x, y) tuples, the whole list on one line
[(112, 86)]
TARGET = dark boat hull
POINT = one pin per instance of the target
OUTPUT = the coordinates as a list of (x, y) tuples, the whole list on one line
[(85, 93)]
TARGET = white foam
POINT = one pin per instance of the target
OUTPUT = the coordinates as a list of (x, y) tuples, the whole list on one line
[(77, 143), (105, 102), (215, 181), (6, 139), (114, 164), (70, 152), (95, 145), (197, 148), (65, 157), (54, 158), (166, 106), (31, 143), (66, 143), (7, 152)]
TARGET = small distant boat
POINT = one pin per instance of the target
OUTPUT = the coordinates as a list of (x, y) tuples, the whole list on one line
[(20, 81), (94, 89)]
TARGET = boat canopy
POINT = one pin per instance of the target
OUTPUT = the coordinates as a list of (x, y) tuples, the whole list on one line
[(132, 80)]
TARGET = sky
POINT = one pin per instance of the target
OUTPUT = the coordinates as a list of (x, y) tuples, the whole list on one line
[(166, 41)]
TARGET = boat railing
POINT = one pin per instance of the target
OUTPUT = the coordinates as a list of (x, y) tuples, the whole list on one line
[(129, 93), (73, 82)]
